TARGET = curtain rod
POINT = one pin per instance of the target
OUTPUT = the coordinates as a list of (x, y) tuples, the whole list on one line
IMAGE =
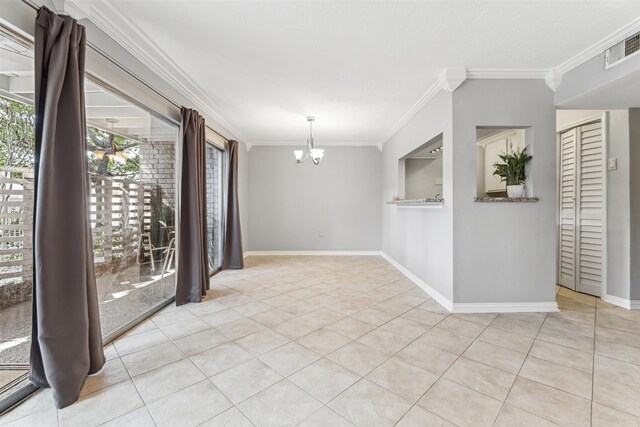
[(35, 7)]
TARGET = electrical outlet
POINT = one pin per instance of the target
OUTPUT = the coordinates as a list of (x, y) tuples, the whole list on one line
[(612, 163)]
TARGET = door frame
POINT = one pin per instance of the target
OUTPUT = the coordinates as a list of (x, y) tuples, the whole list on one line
[(604, 120)]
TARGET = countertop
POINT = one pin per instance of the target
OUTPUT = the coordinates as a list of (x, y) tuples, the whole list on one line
[(506, 199)]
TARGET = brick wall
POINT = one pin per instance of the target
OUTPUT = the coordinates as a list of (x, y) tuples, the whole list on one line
[(157, 165), (214, 206)]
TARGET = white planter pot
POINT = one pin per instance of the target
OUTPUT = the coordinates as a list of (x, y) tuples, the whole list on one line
[(515, 191)]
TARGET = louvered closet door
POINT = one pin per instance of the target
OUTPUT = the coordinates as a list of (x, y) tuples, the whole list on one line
[(582, 207), (590, 207), (567, 243)]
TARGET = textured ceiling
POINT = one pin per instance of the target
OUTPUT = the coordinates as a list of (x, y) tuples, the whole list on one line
[(359, 67)]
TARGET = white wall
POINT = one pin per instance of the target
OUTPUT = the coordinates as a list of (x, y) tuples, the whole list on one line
[(504, 252), (420, 239), (292, 204)]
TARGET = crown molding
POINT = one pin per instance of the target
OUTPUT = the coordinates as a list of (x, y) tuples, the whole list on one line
[(550, 76), (323, 144), (146, 51), (599, 47), (451, 78), (553, 79), (77, 9), (507, 73), (424, 99)]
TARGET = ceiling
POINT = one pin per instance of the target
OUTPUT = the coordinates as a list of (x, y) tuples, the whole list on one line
[(359, 67)]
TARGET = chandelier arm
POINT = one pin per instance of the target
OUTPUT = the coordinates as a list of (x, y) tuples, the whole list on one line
[(310, 145)]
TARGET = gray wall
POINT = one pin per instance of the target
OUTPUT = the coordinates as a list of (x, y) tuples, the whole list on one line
[(421, 239), (634, 146), (291, 204), (618, 208), (243, 193), (589, 85), (420, 178), (504, 252)]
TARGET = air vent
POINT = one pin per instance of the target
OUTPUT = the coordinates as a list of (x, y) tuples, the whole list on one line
[(622, 51)]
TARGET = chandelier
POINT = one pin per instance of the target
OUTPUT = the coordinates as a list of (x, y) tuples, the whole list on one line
[(316, 154)]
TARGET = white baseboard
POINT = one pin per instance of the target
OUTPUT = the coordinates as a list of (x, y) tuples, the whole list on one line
[(441, 299), (314, 253), (629, 304), (505, 307), (522, 307)]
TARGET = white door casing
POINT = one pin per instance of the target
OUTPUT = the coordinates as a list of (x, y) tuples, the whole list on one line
[(582, 203)]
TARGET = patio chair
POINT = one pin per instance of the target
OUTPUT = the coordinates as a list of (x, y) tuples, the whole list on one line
[(145, 245)]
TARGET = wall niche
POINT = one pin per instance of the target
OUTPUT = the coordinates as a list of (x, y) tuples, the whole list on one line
[(420, 171), (491, 142)]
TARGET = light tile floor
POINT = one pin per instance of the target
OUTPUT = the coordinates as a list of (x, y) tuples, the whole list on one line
[(348, 341)]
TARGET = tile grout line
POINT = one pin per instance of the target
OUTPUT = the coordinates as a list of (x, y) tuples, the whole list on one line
[(441, 375), (323, 405), (291, 340), (520, 370), (144, 403), (387, 359), (333, 290)]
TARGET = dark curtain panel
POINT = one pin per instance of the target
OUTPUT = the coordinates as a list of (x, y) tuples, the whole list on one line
[(193, 264), (233, 256), (66, 338)]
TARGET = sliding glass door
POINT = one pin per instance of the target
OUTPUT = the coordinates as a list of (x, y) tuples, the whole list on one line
[(17, 119), (131, 157), (214, 171)]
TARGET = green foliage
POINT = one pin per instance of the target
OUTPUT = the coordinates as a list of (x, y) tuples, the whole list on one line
[(17, 144), (113, 155), (17, 134), (512, 170)]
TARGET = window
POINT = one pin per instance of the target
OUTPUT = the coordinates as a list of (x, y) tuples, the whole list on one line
[(214, 166)]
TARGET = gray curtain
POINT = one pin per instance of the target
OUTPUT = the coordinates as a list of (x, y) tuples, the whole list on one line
[(232, 256), (66, 338), (193, 264)]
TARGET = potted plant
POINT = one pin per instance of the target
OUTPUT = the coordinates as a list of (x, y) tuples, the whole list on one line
[(512, 171)]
